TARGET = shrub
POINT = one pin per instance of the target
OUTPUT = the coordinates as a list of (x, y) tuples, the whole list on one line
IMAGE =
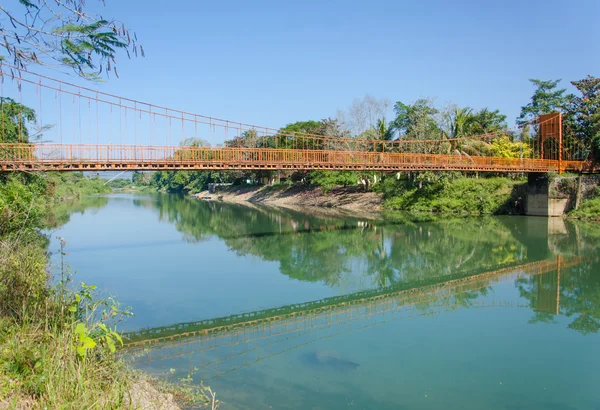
[(459, 196)]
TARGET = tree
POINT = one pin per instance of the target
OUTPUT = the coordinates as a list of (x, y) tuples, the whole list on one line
[(14, 121), (458, 121), (333, 128), (465, 122), (363, 114), (64, 32), (286, 134), (247, 139), (546, 98), (416, 121), (384, 131), (583, 115), (485, 121), (142, 178), (306, 127), (194, 142), (503, 147)]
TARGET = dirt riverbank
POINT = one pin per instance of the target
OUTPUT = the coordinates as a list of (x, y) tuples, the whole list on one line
[(298, 196)]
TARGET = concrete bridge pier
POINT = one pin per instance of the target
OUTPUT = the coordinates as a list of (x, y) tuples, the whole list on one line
[(539, 200)]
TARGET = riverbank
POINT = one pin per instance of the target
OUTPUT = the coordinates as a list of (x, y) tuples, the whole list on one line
[(457, 196), (59, 340), (588, 211), (352, 198)]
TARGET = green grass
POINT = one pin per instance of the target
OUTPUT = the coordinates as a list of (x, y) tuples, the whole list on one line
[(75, 185), (57, 343), (458, 196), (589, 209)]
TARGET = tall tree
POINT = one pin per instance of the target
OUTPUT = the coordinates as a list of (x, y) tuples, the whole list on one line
[(363, 114), (546, 98), (384, 131), (308, 127), (65, 33), (486, 120), (14, 121), (416, 121), (583, 115), (458, 121)]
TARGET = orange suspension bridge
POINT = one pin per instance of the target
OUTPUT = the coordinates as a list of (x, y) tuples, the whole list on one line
[(92, 130)]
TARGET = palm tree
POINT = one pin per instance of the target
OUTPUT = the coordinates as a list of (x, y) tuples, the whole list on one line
[(461, 122), (384, 132)]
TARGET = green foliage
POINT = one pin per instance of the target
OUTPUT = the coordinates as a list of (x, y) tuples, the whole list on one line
[(14, 121), (486, 120), (464, 122), (416, 121), (589, 209), (75, 185), (546, 98), (332, 179), (23, 278), (384, 131), (67, 33), (503, 147), (142, 178), (22, 203), (119, 183), (456, 196), (393, 250), (24, 197), (92, 316), (308, 127), (583, 118), (182, 181), (58, 345), (460, 122)]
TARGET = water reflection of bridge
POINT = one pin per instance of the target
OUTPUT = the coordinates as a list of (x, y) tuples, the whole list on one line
[(236, 341)]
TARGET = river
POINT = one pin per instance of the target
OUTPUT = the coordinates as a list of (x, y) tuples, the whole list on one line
[(289, 309)]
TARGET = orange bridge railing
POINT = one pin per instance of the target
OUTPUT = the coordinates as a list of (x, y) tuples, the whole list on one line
[(90, 157)]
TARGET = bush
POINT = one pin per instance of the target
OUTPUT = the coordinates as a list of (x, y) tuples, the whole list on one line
[(119, 183), (459, 196), (23, 278), (76, 185), (332, 179), (589, 209), (21, 203)]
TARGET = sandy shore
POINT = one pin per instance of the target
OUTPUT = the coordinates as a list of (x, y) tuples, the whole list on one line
[(299, 196)]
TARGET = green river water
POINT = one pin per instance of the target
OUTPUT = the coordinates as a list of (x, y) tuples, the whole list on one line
[(290, 309)]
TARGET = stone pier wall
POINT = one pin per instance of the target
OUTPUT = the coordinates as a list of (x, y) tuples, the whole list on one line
[(559, 196)]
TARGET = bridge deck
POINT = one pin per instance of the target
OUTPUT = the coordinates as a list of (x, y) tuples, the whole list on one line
[(81, 157)]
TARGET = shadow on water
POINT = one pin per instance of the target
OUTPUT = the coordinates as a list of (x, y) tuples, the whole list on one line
[(327, 360)]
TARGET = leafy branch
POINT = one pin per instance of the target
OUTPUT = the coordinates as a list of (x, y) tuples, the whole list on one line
[(62, 32)]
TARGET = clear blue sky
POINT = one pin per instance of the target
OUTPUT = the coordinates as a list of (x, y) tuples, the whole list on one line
[(276, 62)]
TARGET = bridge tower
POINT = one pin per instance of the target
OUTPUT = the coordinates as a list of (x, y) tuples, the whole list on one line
[(551, 137)]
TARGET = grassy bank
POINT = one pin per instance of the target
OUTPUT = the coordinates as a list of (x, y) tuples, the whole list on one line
[(58, 340), (458, 195), (46, 360), (448, 193), (589, 208)]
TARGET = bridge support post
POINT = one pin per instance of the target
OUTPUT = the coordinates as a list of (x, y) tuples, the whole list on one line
[(539, 201)]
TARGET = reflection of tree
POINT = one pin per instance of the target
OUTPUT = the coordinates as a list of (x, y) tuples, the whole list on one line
[(573, 292), (384, 253), (60, 214)]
